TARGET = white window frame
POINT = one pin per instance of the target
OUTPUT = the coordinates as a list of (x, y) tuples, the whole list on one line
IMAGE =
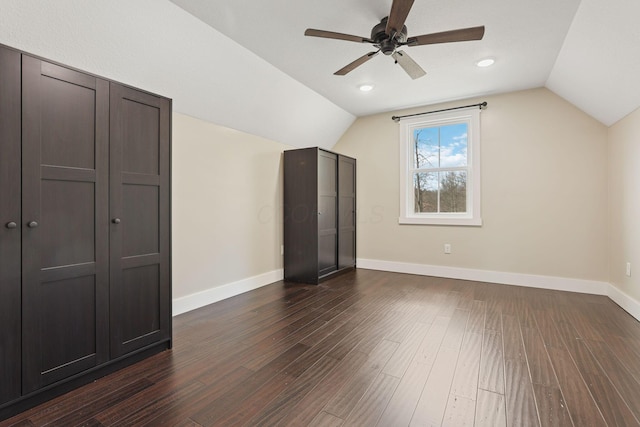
[(407, 215)]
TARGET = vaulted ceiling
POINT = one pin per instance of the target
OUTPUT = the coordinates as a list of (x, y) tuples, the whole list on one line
[(586, 51), (246, 65)]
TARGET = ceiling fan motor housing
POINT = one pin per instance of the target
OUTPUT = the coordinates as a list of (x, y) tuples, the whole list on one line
[(387, 43)]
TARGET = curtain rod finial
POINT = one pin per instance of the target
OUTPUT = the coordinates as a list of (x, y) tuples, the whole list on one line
[(395, 119)]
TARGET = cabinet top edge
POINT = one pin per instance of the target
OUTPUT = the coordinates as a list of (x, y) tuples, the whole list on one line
[(60, 64), (319, 149)]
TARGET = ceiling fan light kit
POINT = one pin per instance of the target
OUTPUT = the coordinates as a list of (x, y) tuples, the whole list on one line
[(390, 34)]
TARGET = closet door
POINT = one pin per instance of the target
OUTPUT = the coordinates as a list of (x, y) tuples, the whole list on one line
[(64, 222), (327, 212), (347, 212), (10, 230), (140, 222)]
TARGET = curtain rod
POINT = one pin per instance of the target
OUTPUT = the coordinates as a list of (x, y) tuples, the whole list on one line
[(481, 105)]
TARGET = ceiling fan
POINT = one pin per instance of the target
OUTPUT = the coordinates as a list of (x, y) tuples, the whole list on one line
[(391, 34)]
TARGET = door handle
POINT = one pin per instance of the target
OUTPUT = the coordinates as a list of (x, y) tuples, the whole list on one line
[(116, 220), (11, 225), (32, 224)]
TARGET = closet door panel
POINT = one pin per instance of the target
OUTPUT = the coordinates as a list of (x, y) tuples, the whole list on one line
[(10, 230), (141, 301), (68, 210), (347, 212), (327, 212), (141, 152), (140, 232), (64, 223), (74, 124), (67, 334), (140, 229), (301, 215)]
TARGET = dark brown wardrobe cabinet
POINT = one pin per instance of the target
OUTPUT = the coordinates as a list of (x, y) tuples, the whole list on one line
[(319, 214), (84, 228)]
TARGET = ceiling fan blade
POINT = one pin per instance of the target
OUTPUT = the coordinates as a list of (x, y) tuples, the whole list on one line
[(461, 35), (355, 64), (338, 36), (398, 15), (409, 65)]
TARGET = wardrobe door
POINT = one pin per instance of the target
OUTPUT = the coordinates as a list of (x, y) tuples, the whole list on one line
[(300, 215), (64, 222), (327, 212), (10, 230), (347, 211), (140, 222)]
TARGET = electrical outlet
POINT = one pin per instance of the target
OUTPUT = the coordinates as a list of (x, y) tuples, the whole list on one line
[(629, 269), (447, 248)]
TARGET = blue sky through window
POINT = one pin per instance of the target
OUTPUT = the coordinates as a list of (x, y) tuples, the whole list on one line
[(440, 146)]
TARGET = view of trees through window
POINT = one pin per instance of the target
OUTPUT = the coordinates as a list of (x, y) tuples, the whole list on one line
[(440, 168)]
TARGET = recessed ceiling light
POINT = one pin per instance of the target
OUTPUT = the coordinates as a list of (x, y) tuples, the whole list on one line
[(365, 87), (485, 62)]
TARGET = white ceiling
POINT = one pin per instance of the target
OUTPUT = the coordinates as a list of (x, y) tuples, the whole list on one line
[(588, 47), (250, 68), (157, 46)]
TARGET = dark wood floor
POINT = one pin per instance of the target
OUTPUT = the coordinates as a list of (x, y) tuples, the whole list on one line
[(373, 348)]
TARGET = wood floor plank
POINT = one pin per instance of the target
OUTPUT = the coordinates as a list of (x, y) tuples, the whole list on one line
[(149, 402), (369, 409), (177, 411), (622, 380), (377, 348), (325, 419), (433, 401), (490, 410), (580, 403), (623, 348), (492, 362), (477, 315), (615, 410), (548, 330), (456, 329), (460, 412), (349, 395), (540, 367), (252, 404), (551, 406), (305, 411), (278, 408), (87, 412), (519, 397), (512, 339), (402, 404), (234, 397), (405, 353), (465, 378)]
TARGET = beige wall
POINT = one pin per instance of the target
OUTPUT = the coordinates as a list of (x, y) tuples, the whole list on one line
[(624, 203), (227, 197), (544, 192)]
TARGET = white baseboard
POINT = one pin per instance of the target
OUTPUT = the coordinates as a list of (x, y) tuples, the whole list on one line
[(218, 293), (629, 304), (529, 280)]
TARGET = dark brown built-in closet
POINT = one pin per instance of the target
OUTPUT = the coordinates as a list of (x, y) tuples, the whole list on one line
[(85, 281)]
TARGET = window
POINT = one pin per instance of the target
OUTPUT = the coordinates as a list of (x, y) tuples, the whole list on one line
[(440, 169)]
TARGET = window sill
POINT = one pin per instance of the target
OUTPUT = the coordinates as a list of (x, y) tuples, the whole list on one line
[(467, 222)]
